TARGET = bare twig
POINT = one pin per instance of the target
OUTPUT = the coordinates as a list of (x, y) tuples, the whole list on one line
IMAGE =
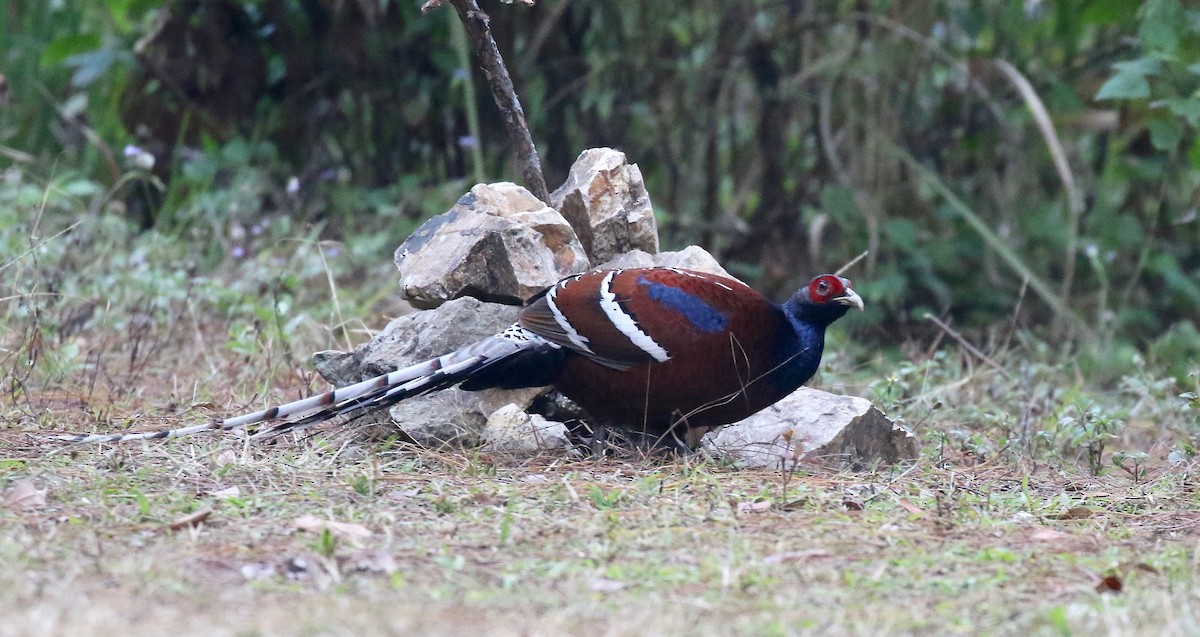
[(479, 31), (965, 344), (90, 135), (851, 262), (35, 246)]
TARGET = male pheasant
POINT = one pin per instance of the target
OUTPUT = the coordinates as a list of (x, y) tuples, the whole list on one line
[(664, 352)]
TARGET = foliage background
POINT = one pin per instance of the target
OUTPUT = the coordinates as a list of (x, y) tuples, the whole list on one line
[(785, 136)]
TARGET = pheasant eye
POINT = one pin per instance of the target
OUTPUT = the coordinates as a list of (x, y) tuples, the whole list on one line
[(823, 288)]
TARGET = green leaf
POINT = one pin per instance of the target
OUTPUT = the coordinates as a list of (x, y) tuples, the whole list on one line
[(1176, 280), (1165, 133), (838, 202), (1105, 12), (1194, 153), (82, 188), (1141, 66), (1126, 85), (1129, 82), (1161, 20), (62, 48), (901, 232), (1185, 107), (91, 65)]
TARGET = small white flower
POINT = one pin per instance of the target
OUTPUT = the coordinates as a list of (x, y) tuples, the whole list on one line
[(138, 157)]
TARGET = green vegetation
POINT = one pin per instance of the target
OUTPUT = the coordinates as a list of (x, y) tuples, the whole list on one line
[(974, 147), (1025, 173)]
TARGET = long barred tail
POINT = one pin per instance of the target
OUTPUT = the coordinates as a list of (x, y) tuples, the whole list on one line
[(358, 399)]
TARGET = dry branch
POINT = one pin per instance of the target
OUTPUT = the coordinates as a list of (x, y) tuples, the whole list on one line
[(479, 30)]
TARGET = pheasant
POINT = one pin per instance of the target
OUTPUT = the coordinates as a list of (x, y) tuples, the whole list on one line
[(665, 353)]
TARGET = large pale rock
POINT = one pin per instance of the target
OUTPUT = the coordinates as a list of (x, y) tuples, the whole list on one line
[(812, 425), (511, 429), (605, 200), (689, 258), (450, 416), (498, 243)]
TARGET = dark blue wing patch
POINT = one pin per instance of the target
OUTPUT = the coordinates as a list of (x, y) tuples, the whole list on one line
[(701, 315)]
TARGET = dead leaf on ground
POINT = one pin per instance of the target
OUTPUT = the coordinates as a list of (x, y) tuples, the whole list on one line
[(231, 492), (795, 556), (345, 530), (1075, 513), (749, 507), (852, 505), (1109, 584), (605, 585), (24, 496), (1142, 566), (226, 457), (910, 507), (401, 495), (192, 519)]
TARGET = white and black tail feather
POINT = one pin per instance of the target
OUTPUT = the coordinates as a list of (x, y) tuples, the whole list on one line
[(361, 398)]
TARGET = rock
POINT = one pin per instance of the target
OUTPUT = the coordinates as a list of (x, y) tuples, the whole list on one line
[(498, 243), (511, 429), (605, 200), (689, 258), (814, 425), (449, 416)]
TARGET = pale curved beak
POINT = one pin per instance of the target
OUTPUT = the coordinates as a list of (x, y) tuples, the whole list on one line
[(851, 298)]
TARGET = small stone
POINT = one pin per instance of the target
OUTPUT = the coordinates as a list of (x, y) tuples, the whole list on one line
[(511, 429), (498, 243), (692, 258), (689, 258), (814, 425), (605, 201)]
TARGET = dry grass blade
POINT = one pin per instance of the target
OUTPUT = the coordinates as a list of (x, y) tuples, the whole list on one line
[(965, 344), (191, 519), (38, 245), (345, 530), (1007, 254), (1075, 203), (852, 262)]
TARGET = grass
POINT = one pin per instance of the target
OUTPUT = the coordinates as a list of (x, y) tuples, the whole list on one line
[(446, 543), (1015, 520)]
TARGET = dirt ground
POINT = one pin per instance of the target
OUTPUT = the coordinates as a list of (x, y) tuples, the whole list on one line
[(330, 536)]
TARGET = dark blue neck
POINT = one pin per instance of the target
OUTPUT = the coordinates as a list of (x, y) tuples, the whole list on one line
[(799, 352)]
